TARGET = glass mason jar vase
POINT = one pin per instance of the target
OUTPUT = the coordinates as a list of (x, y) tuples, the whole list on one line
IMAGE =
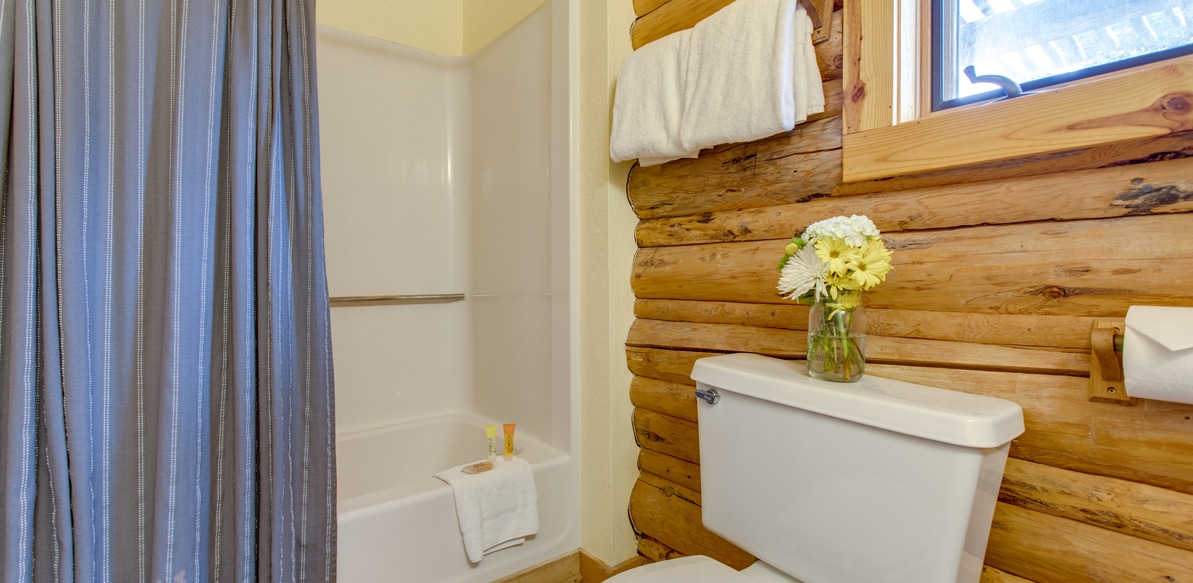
[(837, 339)]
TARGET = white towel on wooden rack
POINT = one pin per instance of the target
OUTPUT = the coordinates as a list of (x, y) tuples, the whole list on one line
[(746, 72), (648, 105), (740, 74)]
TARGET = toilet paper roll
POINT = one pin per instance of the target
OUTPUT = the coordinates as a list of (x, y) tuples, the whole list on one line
[(1158, 353)]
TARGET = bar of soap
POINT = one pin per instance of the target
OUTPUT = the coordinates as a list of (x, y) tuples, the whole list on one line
[(477, 468)]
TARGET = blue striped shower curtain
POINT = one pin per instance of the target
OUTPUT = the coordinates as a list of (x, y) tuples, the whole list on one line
[(166, 409)]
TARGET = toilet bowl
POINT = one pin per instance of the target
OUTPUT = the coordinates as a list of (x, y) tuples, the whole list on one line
[(878, 481)]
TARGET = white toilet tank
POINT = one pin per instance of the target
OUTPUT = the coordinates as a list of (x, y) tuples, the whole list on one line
[(869, 482)]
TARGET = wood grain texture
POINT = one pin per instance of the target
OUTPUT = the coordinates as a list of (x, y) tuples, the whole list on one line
[(665, 365), (992, 575), (655, 551), (1150, 443), (1129, 153), (663, 516), (1160, 187), (1139, 510), (1151, 101), (659, 18), (644, 7), (682, 472), (667, 435), (1049, 549), (1074, 268), (1065, 332), (675, 399), (594, 570), (670, 17), (792, 344), (869, 78), (738, 176)]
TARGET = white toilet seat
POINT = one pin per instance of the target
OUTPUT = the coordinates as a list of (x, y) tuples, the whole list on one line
[(693, 569)]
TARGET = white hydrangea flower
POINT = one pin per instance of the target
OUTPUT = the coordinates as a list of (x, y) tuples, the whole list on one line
[(854, 230), (803, 272)]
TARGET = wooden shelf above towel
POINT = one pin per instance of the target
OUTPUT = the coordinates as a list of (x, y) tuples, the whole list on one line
[(659, 18)]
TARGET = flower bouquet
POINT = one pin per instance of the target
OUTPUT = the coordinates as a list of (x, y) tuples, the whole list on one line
[(828, 267)]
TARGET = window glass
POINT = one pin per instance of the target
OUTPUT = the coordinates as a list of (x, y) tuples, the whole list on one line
[(1044, 42)]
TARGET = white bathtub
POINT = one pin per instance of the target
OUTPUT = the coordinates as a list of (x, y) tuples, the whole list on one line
[(397, 522)]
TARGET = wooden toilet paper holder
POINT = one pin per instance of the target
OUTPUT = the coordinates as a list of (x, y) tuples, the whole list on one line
[(1106, 379)]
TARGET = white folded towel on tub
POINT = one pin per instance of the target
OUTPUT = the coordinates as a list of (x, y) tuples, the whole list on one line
[(497, 509)]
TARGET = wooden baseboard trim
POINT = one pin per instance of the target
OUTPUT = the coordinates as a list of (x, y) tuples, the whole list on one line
[(565, 569), (594, 570)]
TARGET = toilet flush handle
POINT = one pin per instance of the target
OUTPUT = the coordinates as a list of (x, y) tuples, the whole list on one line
[(709, 395)]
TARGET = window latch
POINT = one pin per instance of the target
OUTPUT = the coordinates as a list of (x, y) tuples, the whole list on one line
[(1008, 85)]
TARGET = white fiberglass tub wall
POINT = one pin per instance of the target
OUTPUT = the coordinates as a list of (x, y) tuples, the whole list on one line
[(448, 175)]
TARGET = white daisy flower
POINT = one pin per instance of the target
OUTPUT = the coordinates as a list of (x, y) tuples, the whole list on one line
[(803, 272)]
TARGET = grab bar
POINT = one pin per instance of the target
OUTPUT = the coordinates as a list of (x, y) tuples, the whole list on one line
[(361, 301)]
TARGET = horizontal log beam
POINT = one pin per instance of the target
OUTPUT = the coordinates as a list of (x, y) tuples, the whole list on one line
[(1128, 153), (1049, 549), (667, 435), (1150, 443), (992, 575), (1067, 332), (644, 7), (1161, 187), (684, 473), (671, 518), (792, 344), (783, 169), (655, 551), (664, 365), (675, 399), (1139, 510), (1074, 268)]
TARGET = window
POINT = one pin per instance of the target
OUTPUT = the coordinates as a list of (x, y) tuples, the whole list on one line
[(1039, 43), (890, 128)]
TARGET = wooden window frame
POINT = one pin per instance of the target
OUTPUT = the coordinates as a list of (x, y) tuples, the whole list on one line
[(888, 133)]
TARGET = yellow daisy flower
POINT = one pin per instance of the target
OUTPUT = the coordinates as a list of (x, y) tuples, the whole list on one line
[(836, 253), (872, 265)]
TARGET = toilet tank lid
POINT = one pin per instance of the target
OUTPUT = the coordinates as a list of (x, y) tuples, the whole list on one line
[(927, 412)]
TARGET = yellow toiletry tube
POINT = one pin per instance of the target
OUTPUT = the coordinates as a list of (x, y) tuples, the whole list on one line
[(509, 440), (491, 436)]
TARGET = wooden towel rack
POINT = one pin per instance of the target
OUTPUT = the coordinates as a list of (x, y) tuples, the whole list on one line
[(821, 13)]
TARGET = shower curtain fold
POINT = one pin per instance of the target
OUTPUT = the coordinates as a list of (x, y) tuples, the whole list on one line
[(166, 404)]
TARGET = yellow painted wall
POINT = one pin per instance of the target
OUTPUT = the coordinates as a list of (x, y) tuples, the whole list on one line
[(434, 25), (609, 456), (485, 20), (446, 27)]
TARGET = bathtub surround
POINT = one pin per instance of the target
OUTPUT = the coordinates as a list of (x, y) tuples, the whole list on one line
[(452, 175), (166, 411)]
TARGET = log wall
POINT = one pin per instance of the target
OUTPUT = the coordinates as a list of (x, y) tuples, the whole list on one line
[(1000, 272)]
